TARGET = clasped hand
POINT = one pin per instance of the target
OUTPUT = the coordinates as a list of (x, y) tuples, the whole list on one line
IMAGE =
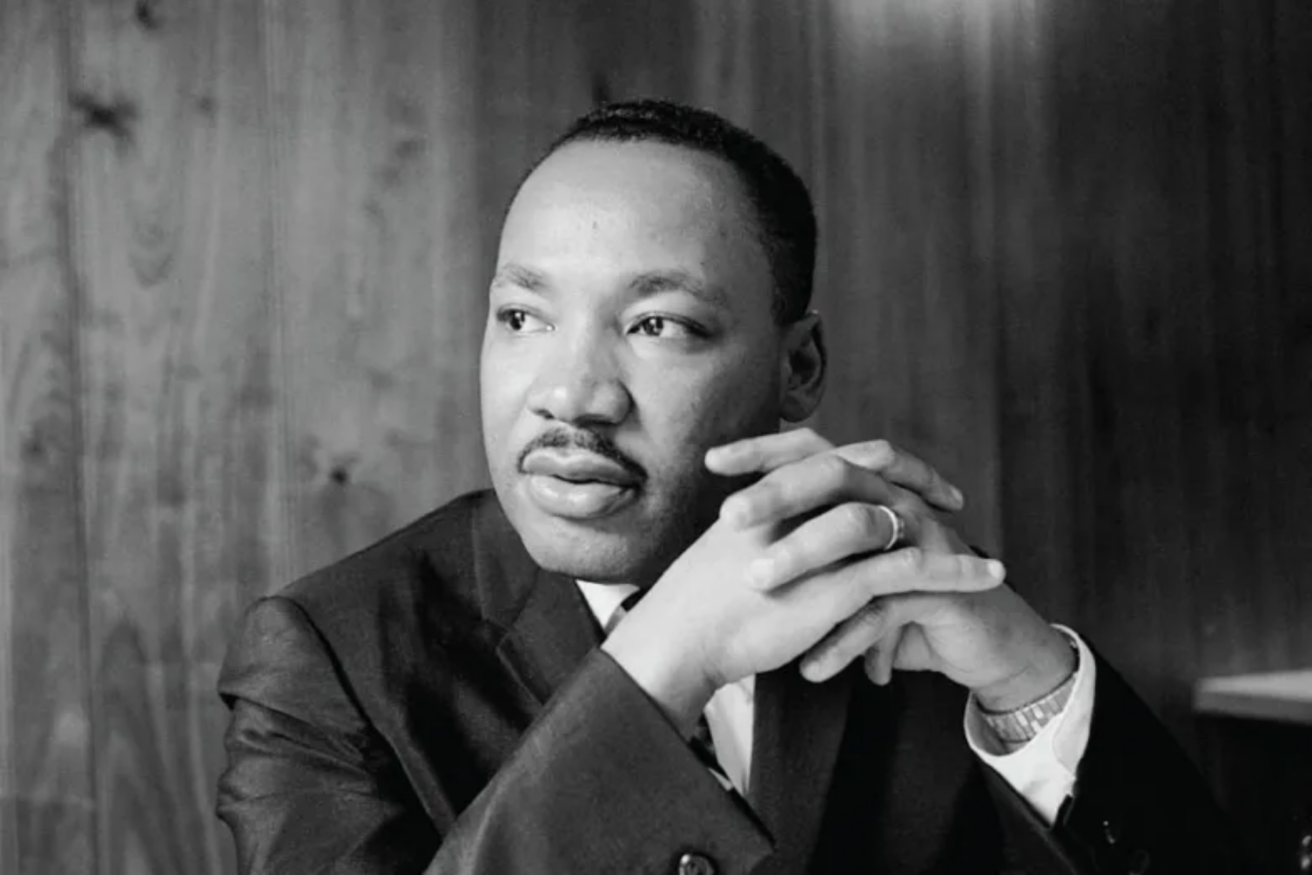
[(794, 567)]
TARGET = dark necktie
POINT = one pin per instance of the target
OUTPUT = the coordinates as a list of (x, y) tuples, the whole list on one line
[(701, 742)]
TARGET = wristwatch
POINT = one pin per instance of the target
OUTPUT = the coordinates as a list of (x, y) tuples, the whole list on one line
[(1015, 728)]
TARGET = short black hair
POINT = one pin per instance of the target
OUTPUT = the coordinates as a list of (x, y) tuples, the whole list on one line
[(775, 191)]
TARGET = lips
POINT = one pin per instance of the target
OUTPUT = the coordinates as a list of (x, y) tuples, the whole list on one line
[(578, 466), (576, 484)]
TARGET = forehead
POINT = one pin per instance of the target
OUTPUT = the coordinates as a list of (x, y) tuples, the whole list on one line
[(622, 207)]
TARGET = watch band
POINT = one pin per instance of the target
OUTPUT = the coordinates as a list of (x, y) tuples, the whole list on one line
[(1015, 728)]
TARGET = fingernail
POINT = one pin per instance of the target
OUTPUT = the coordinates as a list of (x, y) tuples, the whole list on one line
[(957, 498), (811, 670), (996, 569)]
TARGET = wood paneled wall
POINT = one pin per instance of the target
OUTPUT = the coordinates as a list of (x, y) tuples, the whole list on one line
[(243, 252), (1158, 366), (47, 780)]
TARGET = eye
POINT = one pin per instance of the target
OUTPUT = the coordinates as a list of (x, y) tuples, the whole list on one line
[(666, 327), (519, 321)]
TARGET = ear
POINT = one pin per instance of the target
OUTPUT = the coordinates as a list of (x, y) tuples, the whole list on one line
[(803, 366)]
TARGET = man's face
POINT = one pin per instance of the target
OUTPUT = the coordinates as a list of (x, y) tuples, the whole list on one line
[(629, 330)]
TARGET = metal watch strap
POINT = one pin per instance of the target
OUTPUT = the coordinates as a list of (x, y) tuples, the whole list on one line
[(1015, 728)]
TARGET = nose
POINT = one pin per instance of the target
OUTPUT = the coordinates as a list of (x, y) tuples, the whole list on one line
[(581, 384)]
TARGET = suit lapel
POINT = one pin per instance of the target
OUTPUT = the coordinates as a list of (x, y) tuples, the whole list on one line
[(550, 636), (548, 628), (798, 729)]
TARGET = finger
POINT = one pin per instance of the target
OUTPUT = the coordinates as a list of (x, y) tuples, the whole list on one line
[(873, 634), (840, 593), (912, 570), (765, 452), (840, 533), (805, 486), (880, 659), (900, 467), (768, 452), (881, 594), (848, 640)]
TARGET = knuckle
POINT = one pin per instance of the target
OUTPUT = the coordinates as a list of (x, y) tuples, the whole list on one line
[(872, 615), (882, 452), (764, 496), (858, 520), (912, 559), (833, 470), (966, 568), (784, 555), (917, 516), (816, 440)]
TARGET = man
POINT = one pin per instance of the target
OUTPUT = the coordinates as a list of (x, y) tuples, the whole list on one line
[(479, 693)]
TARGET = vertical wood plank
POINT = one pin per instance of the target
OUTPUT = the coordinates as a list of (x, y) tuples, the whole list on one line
[(46, 781), (1259, 338), (868, 102), (1153, 337), (539, 68), (377, 262), (1290, 428), (1094, 345), (180, 351), (1018, 167)]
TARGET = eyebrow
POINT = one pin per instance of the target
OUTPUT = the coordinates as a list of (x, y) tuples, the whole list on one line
[(654, 282), (644, 284), (518, 275)]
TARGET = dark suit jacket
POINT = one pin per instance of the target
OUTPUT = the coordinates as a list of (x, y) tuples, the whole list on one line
[(437, 703)]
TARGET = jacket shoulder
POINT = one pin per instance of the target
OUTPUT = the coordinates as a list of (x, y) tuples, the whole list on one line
[(433, 563)]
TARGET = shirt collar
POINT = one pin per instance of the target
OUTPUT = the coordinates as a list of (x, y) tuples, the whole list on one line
[(604, 598)]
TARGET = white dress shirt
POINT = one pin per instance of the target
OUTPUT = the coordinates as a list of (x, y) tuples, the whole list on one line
[(1042, 772)]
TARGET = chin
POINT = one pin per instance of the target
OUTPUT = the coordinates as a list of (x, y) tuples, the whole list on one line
[(631, 547), (597, 557)]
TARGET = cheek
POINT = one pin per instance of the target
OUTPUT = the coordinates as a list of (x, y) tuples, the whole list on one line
[(704, 408), (503, 386)]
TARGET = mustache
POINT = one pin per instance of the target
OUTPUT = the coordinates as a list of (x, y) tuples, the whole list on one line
[(581, 439)]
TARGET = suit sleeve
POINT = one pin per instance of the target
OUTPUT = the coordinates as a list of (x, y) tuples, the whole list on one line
[(1138, 804), (599, 783)]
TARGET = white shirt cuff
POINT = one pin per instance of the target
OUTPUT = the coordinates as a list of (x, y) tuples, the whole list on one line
[(1043, 771)]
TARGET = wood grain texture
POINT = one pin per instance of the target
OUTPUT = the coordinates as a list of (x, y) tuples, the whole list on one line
[(538, 69), (869, 103), (179, 350), (377, 263), (46, 781), (1160, 393), (1020, 169)]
